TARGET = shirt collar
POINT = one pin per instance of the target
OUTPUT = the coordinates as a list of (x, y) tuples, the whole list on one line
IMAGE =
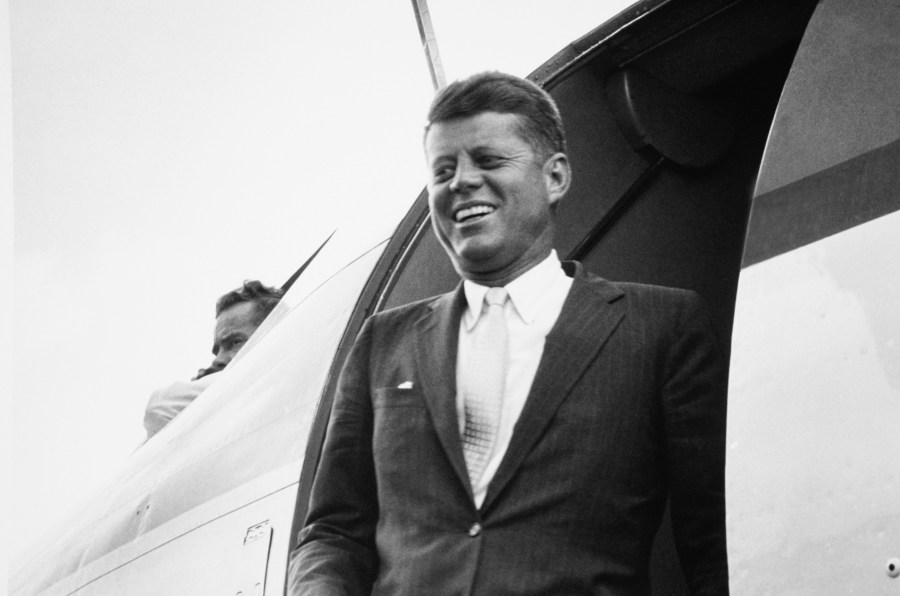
[(526, 292)]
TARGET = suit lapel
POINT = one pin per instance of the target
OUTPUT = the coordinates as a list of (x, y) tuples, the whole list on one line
[(437, 340), (589, 315)]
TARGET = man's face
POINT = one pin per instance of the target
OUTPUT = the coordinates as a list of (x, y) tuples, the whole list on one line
[(490, 195), (234, 326)]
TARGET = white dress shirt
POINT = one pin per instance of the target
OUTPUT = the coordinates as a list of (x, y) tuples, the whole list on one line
[(535, 300), (168, 402)]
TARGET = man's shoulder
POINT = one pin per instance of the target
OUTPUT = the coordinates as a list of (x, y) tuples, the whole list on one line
[(627, 289), (653, 291), (166, 403), (403, 319), (653, 304), (181, 391), (638, 291), (414, 310)]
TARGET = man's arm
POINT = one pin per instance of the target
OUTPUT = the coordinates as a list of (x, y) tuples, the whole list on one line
[(694, 400), (166, 403), (336, 553)]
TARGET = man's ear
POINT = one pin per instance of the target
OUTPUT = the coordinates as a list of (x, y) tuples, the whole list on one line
[(557, 176)]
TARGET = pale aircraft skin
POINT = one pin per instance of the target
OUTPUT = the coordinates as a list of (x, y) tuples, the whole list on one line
[(754, 146)]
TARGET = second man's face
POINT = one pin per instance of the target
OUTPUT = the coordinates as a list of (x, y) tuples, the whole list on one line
[(234, 326), (490, 196)]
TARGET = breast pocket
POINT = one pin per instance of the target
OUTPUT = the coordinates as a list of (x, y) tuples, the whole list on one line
[(400, 421), (395, 397)]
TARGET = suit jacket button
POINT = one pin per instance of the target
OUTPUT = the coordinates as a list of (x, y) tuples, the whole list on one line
[(475, 530)]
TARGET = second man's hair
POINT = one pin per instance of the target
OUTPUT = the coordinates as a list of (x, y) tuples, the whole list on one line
[(264, 297)]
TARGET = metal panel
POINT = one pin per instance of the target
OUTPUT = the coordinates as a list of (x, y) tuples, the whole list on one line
[(241, 553), (813, 485)]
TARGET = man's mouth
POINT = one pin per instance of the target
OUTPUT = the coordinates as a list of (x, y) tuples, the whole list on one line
[(472, 213)]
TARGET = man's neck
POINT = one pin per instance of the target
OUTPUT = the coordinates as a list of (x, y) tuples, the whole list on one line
[(496, 279)]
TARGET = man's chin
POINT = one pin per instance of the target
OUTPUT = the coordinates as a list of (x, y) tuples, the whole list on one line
[(476, 259), (481, 270), (477, 249)]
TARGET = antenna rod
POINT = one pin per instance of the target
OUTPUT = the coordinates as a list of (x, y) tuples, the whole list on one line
[(429, 43)]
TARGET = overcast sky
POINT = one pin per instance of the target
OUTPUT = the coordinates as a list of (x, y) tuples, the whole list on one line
[(165, 152)]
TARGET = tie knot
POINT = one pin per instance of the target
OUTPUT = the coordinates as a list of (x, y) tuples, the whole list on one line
[(495, 296)]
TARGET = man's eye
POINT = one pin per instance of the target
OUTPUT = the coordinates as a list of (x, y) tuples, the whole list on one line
[(235, 343), (488, 161), (442, 174)]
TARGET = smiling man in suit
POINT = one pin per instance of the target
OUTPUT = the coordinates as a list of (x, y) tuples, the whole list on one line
[(521, 434)]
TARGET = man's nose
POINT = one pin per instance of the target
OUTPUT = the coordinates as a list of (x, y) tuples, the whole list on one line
[(466, 177), (222, 359)]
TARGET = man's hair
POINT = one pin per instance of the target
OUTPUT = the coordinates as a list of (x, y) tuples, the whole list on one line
[(264, 297), (539, 124)]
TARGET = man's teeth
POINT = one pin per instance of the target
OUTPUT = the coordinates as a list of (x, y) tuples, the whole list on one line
[(468, 212)]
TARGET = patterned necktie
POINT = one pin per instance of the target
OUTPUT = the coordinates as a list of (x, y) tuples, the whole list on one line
[(485, 380)]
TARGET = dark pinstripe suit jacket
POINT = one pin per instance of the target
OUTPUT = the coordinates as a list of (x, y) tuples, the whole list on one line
[(627, 407)]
